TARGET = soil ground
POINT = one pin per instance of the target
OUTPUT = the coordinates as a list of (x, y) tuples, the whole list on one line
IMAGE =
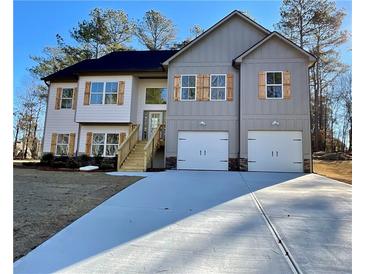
[(47, 201), (338, 170)]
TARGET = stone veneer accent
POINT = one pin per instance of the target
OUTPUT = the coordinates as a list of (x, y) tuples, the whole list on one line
[(243, 164), (307, 165), (170, 162), (233, 164)]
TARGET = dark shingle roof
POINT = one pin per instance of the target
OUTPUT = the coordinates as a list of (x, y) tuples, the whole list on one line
[(118, 61)]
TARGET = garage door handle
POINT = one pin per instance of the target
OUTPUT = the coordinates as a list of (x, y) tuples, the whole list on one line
[(200, 152), (181, 160), (272, 153), (223, 161), (277, 154)]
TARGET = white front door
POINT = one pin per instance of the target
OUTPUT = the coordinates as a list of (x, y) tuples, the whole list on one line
[(154, 120), (203, 150), (275, 151)]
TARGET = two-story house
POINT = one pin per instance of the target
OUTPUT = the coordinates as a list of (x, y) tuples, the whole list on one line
[(236, 97)]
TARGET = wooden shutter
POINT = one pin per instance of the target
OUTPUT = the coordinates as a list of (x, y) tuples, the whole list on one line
[(286, 85), (122, 136), (206, 87), (74, 98), (229, 87), (176, 87), (71, 145), (58, 98), (53, 143), (89, 137), (87, 93), (120, 97), (262, 85), (199, 87)]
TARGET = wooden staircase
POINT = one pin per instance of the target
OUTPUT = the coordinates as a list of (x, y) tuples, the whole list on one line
[(137, 155), (135, 159)]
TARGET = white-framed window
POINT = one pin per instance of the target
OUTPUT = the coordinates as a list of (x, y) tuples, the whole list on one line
[(274, 84), (218, 87), (188, 88), (111, 91), (104, 144), (103, 93), (66, 97), (62, 144)]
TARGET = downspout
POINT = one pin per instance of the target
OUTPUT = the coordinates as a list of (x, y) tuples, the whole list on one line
[(239, 113), (45, 118)]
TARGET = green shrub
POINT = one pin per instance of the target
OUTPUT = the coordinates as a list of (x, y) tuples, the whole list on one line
[(47, 158), (83, 160), (62, 159), (98, 160), (58, 164), (72, 163)]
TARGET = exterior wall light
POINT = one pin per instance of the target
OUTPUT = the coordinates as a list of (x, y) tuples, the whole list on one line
[(275, 123), (202, 124)]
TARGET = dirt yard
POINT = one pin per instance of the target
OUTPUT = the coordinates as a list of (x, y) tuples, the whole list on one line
[(338, 170), (47, 201)]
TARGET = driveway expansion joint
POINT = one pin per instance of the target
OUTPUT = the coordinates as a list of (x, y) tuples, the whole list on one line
[(278, 239)]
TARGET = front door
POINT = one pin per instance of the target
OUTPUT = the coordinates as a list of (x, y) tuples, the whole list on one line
[(154, 120)]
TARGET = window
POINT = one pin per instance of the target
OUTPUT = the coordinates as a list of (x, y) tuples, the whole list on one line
[(97, 93), (111, 90), (62, 144), (66, 98), (274, 85), (188, 87), (218, 87), (105, 144), (156, 95), (104, 93)]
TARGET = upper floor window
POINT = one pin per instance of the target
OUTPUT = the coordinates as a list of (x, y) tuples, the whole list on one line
[(66, 98), (62, 144), (105, 144), (218, 87), (188, 87), (274, 85), (104, 93), (156, 95)]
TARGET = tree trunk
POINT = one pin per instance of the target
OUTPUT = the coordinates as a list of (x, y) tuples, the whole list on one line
[(15, 140)]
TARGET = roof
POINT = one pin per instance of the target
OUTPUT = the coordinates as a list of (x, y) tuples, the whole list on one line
[(118, 61), (212, 28), (239, 58)]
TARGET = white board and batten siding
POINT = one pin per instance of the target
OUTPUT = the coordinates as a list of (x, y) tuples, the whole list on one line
[(202, 150), (100, 113), (58, 120), (277, 151)]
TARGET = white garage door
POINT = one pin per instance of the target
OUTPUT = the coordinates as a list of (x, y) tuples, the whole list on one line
[(275, 151), (204, 150)]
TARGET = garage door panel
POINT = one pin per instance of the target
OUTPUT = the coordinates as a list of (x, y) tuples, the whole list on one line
[(202, 150), (275, 151)]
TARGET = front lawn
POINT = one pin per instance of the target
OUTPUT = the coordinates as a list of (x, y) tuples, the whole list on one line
[(47, 201)]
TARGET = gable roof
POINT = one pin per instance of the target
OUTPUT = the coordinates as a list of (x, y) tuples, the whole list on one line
[(118, 61), (212, 28), (239, 58)]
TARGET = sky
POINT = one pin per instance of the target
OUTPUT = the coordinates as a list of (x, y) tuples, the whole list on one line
[(36, 23)]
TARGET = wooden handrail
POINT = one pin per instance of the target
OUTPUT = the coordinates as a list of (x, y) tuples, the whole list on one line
[(152, 145), (126, 147)]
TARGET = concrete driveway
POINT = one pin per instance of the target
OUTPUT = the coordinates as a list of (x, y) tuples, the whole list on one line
[(208, 222)]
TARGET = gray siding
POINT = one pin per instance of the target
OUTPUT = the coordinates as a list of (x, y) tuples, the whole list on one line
[(258, 114), (213, 54)]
